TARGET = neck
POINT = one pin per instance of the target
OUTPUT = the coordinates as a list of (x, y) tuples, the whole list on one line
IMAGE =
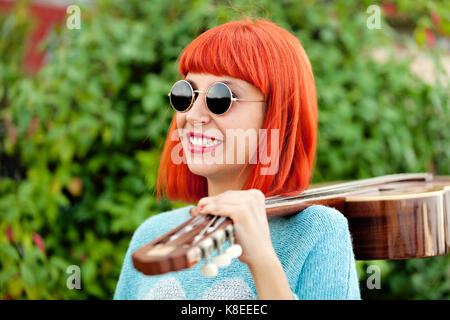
[(217, 186)]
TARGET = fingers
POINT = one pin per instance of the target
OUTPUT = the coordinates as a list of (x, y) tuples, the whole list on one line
[(194, 211), (207, 200), (253, 199), (258, 194), (233, 196), (219, 209)]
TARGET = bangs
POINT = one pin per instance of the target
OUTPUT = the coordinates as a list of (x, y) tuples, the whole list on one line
[(232, 49)]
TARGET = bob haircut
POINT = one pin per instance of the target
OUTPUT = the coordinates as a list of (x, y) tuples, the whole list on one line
[(273, 60)]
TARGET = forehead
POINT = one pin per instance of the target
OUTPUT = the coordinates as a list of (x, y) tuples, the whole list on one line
[(198, 79)]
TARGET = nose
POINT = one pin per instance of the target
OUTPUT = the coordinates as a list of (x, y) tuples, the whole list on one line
[(198, 113)]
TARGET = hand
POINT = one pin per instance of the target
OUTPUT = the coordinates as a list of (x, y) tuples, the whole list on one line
[(246, 209)]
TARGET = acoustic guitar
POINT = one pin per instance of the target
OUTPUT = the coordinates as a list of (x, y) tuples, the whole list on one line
[(399, 216)]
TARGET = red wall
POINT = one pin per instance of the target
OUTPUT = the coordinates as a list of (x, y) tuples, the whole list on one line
[(43, 17)]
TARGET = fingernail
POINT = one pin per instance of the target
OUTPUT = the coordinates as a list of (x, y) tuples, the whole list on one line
[(201, 207)]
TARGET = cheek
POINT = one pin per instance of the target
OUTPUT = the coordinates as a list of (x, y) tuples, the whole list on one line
[(180, 119), (249, 125)]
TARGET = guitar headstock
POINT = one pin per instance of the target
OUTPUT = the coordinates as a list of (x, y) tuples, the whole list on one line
[(183, 247)]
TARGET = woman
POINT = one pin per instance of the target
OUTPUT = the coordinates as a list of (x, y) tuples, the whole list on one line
[(241, 80)]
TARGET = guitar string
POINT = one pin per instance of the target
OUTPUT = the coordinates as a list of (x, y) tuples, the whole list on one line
[(219, 221), (197, 220), (353, 184)]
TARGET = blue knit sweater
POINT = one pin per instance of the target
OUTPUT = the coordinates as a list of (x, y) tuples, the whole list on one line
[(314, 248)]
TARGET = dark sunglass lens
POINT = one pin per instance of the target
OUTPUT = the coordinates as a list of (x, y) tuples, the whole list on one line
[(218, 98), (181, 96)]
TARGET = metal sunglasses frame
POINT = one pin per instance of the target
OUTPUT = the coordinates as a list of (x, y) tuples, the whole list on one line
[(207, 89)]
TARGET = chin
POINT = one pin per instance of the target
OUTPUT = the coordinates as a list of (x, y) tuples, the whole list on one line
[(204, 170)]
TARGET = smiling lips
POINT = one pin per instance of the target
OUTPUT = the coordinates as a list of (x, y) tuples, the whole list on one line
[(199, 143)]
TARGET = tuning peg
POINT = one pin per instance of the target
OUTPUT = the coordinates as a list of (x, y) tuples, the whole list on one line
[(222, 260), (210, 270), (234, 251)]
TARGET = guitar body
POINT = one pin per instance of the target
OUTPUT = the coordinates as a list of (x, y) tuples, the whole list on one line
[(410, 221), (400, 216)]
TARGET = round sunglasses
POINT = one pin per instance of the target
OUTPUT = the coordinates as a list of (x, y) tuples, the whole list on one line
[(218, 97)]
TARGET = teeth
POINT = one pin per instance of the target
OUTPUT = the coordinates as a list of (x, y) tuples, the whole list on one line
[(205, 142)]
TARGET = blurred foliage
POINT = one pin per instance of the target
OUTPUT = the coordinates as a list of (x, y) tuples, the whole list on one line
[(420, 17), (80, 141)]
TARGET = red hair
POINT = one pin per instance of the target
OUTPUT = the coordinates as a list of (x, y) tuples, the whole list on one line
[(273, 60)]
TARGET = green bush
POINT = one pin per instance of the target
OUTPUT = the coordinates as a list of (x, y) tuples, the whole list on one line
[(80, 141)]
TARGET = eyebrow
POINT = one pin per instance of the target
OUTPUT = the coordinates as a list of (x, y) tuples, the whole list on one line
[(223, 81)]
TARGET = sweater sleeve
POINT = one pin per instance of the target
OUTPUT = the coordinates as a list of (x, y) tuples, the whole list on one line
[(129, 278), (329, 271)]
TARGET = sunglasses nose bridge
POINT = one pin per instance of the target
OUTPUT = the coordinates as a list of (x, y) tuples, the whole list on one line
[(196, 95), (198, 113)]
